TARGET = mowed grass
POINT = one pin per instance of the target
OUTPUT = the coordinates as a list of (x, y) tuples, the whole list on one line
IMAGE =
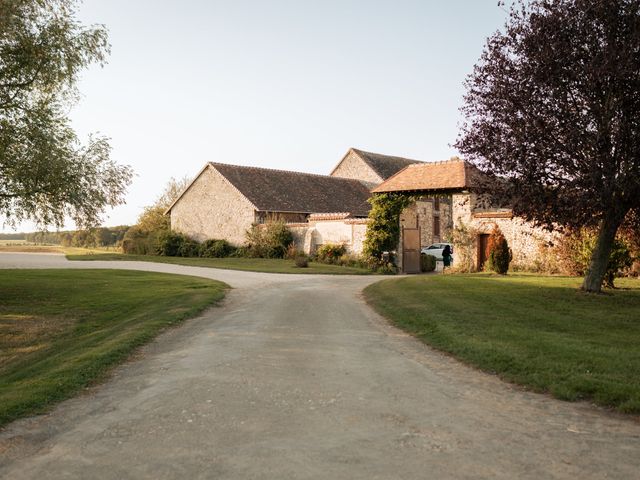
[(61, 330), (268, 265), (540, 332)]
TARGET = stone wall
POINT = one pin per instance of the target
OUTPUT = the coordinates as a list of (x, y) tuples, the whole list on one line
[(525, 240), (423, 214), (349, 232), (213, 208), (352, 166)]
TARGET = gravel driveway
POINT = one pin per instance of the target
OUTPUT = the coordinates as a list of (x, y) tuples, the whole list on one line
[(294, 377)]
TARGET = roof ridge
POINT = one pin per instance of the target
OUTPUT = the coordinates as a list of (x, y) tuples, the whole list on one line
[(251, 167), (357, 150), (440, 162)]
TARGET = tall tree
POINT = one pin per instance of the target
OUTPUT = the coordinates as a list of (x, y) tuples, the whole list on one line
[(45, 173), (152, 217), (553, 107)]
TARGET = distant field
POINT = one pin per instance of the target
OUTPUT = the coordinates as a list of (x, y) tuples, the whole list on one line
[(26, 247)]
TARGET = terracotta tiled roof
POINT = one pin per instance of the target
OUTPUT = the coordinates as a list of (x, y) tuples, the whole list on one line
[(452, 174), (284, 191), (384, 165)]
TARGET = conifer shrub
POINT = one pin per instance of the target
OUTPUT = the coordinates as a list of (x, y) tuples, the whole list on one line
[(500, 255)]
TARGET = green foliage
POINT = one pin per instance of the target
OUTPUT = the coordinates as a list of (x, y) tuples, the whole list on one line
[(577, 246), (383, 230), (170, 243), (330, 253), (620, 259), (301, 261), (464, 238), (45, 174), (213, 248), (427, 263), (500, 255), (174, 244), (153, 218), (189, 248), (270, 240), (139, 242), (550, 338)]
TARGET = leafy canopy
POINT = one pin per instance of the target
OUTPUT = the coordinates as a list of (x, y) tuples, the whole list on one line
[(45, 172), (553, 106), (383, 229)]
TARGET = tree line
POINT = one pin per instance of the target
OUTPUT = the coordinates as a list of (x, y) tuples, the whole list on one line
[(88, 238)]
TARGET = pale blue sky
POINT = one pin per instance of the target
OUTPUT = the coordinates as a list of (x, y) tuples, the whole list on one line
[(277, 84)]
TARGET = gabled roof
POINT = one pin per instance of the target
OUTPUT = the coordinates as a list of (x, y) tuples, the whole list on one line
[(384, 165), (285, 191), (454, 174)]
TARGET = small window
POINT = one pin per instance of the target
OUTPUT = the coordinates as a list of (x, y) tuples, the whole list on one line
[(436, 203), (436, 226)]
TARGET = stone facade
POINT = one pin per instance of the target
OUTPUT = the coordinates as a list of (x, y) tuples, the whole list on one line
[(525, 239), (432, 215), (330, 228), (352, 166), (213, 208)]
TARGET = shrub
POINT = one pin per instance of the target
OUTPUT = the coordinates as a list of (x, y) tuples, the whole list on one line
[(575, 255), (499, 252), (173, 244), (464, 238), (189, 248), (293, 252), (139, 242), (383, 230), (427, 263), (330, 253), (213, 248), (302, 261), (270, 240)]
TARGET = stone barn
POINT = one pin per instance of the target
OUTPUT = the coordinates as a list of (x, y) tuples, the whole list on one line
[(223, 201), (446, 197)]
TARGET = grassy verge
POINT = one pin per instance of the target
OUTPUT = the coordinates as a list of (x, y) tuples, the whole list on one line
[(61, 330), (269, 265), (540, 332)]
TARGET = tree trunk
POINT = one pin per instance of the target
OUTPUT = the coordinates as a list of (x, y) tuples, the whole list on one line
[(600, 256)]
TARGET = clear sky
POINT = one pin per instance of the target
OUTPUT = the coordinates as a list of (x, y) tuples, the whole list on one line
[(276, 83)]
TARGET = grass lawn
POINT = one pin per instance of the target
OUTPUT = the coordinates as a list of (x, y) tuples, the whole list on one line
[(60, 330), (540, 332), (270, 265)]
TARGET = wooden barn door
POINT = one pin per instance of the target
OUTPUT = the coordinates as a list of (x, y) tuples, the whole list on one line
[(411, 250)]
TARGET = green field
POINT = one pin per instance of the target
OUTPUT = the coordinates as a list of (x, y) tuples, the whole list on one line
[(269, 265), (540, 332), (61, 330)]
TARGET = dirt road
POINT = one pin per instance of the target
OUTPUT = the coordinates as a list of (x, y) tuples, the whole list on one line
[(295, 377)]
